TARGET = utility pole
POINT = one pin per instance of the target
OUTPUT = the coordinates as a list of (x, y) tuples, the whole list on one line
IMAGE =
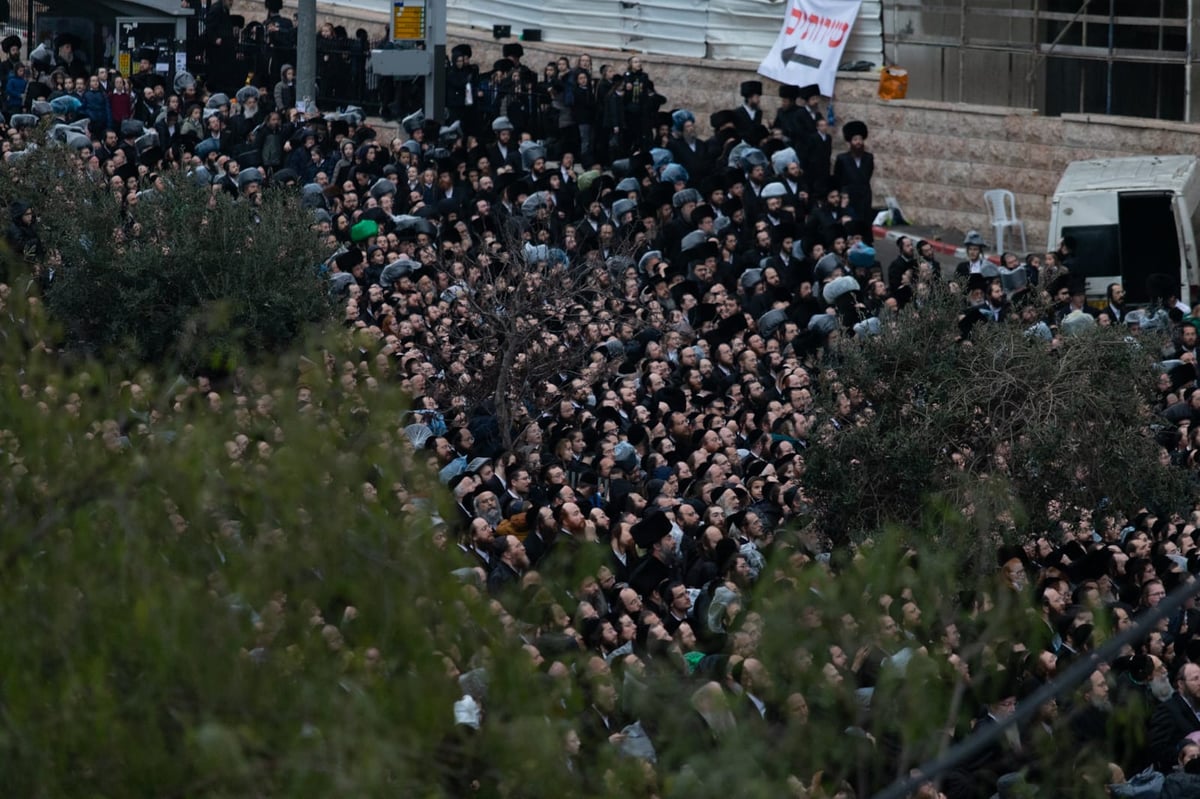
[(306, 52)]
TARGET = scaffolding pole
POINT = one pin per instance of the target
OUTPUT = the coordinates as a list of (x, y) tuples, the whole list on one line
[(1190, 64), (962, 48), (1042, 54), (1031, 78)]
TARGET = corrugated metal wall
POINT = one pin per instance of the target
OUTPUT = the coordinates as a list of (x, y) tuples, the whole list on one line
[(721, 29)]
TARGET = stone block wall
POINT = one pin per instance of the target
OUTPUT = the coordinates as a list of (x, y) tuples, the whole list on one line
[(937, 159)]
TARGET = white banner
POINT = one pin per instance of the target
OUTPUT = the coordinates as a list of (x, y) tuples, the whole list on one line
[(810, 43)]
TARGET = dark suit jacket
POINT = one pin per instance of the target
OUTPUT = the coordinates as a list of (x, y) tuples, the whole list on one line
[(1170, 724), (622, 571), (593, 733), (502, 578), (497, 160), (536, 548), (745, 123)]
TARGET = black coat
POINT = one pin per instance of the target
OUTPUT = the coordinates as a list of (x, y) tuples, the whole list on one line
[(456, 85), (1170, 724), (622, 571), (502, 578), (698, 162), (794, 122), (497, 160), (649, 574), (855, 179), (745, 123), (817, 155)]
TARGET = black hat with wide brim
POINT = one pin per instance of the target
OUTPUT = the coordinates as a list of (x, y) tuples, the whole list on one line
[(651, 529), (67, 38)]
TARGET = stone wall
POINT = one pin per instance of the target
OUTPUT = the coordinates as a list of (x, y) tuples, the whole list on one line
[(937, 159)]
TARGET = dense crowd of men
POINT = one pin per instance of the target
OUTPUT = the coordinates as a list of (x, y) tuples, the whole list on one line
[(651, 507)]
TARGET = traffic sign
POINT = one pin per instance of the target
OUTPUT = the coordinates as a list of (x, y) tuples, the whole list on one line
[(408, 20)]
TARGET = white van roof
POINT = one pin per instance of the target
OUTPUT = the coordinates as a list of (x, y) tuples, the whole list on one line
[(1150, 172)]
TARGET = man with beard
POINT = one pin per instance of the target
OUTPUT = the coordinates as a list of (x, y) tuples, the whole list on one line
[(853, 170), (511, 561), (712, 552), (753, 539), (248, 117), (1115, 310), (623, 558), (791, 118), (748, 115), (571, 554), (1052, 605), (687, 149), (487, 507), (688, 519), (906, 261), (824, 224), (1092, 719), (477, 544), (755, 711), (653, 533), (504, 154), (1160, 681), (1175, 718), (588, 230)]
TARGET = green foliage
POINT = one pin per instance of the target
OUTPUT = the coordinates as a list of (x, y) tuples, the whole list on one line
[(238, 596), (179, 276), (1003, 429)]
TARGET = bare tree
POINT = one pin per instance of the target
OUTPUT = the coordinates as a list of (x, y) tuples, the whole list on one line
[(524, 316)]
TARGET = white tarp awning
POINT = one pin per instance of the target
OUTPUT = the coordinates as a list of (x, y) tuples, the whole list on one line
[(719, 29)]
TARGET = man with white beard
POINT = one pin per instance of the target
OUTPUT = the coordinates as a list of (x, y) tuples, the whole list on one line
[(487, 507), (1160, 681)]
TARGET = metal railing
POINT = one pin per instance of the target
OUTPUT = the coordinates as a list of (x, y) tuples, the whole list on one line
[(1064, 683)]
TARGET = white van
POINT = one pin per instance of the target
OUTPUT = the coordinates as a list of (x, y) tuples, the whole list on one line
[(1131, 218)]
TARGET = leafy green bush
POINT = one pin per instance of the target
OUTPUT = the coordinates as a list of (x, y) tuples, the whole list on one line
[(181, 275), (1002, 429)]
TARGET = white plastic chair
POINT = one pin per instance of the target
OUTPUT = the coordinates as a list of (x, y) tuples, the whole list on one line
[(1002, 208)]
